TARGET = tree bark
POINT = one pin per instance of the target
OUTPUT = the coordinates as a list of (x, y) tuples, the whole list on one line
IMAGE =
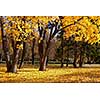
[(33, 45), (47, 60), (43, 64), (80, 61), (75, 55), (23, 54), (74, 63), (62, 43), (15, 62), (5, 45), (67, 60), (81, 58), (43, 56), (62, 64)]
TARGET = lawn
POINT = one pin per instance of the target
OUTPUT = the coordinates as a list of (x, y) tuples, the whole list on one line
[(28, 74)]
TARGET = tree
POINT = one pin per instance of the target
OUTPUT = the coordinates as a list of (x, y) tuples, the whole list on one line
[(46, 34), (15, 30)]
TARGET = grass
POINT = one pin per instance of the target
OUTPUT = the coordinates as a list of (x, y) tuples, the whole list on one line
[(53, 74)]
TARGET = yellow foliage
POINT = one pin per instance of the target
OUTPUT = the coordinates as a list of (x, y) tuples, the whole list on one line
[(9, 18), (86, 27)]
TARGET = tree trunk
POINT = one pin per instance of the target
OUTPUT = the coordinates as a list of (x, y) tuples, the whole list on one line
[(5, 45), (47, 60), (16, 58), (23, 54), (40, 49), (75, 55), (15, 64), (62, 46), (67, 61), (43, 64), (74, 63), (81, 57), (62, 63), (33, 45), (80, 61), (43, 56)]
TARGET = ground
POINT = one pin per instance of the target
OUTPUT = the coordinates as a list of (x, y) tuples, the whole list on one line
[(28, 74)]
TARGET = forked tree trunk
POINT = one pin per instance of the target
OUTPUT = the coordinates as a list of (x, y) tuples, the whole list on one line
[(43, 55), (5, 46)]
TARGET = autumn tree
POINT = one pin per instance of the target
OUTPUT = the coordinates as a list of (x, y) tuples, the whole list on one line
[(85, 31), (15, 31)]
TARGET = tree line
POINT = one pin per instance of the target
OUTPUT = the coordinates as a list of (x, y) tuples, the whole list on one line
[(77, 37)]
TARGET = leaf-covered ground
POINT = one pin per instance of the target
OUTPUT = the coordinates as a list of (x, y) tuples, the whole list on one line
[(28, 74)]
